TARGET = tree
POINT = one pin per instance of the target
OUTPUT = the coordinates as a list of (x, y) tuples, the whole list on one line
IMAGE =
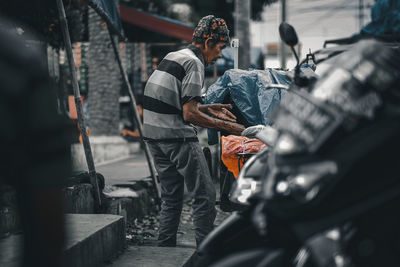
[(104, 80), (225, 9), (41, 18), (242, 27)]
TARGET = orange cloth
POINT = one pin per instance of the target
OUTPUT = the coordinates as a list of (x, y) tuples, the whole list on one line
[(232, 145), (72, 108)]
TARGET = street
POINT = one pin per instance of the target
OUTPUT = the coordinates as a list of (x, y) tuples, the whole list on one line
[(289, 109), (141, 235), (129, 170)]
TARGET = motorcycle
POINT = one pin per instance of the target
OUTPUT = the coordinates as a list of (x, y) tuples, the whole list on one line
[(331, 194), (331, 189), (237, 232)]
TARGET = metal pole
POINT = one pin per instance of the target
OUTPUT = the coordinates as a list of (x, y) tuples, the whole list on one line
[(360, 14), (242, 32), (235, 45), (150, 161), (78, 103), (282, 47)]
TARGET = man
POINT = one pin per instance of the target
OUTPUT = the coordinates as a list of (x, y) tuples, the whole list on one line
[(35, 144), (171, 104)]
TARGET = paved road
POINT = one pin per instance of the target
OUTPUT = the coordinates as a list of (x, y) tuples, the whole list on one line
[(148, 255), (133, 169)]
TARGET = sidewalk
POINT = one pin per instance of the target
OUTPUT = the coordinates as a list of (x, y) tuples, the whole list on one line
[(147, 254), (105, 236), (126, 171)]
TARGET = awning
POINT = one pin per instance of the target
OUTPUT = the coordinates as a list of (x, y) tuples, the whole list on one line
[(156, 23)]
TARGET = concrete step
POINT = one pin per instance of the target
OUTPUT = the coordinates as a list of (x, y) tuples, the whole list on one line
[(92, 240), (77, 199), (131, 200)]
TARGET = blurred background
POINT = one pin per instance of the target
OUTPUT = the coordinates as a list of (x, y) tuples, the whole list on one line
[(314, 20), (152, 28)]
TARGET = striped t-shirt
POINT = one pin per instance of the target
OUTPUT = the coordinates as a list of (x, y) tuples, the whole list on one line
[(178, 79)]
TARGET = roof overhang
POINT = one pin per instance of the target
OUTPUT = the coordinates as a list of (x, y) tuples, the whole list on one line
[(156, 23)]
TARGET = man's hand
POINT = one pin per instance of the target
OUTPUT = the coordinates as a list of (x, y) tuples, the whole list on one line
[(197, 114), (221, 112)]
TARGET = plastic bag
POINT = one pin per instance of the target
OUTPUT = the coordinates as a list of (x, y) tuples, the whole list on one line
[(232, 145), (252, 131)]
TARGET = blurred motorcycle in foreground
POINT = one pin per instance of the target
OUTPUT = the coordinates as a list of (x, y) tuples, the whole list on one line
[(332, 189)]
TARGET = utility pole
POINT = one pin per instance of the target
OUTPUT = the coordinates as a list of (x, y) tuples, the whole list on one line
[(242, 31), (79, 109), (360, 13), (282, 46)]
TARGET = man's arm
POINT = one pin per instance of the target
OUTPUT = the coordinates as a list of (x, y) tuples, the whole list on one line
[(218, 110), (192, 114)]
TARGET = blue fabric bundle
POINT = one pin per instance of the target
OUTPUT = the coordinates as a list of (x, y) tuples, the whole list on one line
[(251, 93)]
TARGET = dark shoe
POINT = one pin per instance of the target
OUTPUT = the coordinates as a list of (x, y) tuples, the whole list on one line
[(166, 241)]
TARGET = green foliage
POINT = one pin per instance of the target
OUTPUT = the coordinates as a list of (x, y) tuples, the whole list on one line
[(220, 8), (257, 6), (41, 18), (225, 9)]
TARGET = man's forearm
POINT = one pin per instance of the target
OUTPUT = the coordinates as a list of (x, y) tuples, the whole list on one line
[(203, 120), (192, 113), (230, 127), (220, 111)]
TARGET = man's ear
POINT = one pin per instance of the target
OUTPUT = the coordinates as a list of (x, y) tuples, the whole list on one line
[(207, 44)]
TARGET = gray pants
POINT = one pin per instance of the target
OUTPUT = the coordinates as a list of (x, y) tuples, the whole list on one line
[(178, 163)]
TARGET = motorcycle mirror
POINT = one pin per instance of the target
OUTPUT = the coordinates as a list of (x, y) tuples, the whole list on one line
[(288, 34)]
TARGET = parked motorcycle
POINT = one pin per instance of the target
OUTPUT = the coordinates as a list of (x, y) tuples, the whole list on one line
[(238, 233), (332, 192)]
